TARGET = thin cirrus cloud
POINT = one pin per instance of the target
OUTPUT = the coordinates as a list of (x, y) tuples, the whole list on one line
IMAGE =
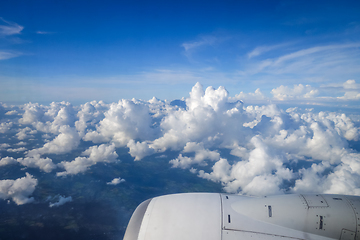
[(8, 54), (44, 32), (192, 47), (264, 49), (319, 60), (9, 28)]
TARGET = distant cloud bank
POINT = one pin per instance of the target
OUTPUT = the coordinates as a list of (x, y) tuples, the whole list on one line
[(275, 151)]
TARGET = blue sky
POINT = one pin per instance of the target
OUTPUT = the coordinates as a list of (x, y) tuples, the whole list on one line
[(286, 120), (79, 51)]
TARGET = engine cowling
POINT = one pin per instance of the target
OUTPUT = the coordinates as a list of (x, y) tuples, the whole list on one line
[(213, 216)]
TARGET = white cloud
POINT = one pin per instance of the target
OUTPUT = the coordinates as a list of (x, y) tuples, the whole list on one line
[(44, 32), (351, 84), (123, 121), (263, 49), (48, 119), (35, 161), (33, 113), (328, 61), (21, 143), (4, 146), (250, 97), (25, 133), (311, 180), (62, 201), (201, 154), (139, 150), (343, 179), (116, 181), (21, 149), (273, 140), (95, 154), (66, 141), (6, 161), (18, 190), (204, 41), (89, 115), (10, 28), (267, 145), (12, 112), (300, 91), (5, 126), (352, 90), (8, 54)]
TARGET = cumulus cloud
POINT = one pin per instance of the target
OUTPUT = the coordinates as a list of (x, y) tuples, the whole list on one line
[(116, 181), (262, 173), (352, 90), (25, 133), (201, 154), (139, 150), (123, 121), (62, 201), (67, 140), (251, 97), (300, 91), (21, 143), (35, 161), (93, 155), (4, 146), (5, 126), (21, 149), (274, 139), (6, 161), (249, 149), (205, 119), (89, 114), (18, 190), (48, 119), (12, 112)]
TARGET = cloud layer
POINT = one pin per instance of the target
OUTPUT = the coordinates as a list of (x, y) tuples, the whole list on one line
[(249, 149)]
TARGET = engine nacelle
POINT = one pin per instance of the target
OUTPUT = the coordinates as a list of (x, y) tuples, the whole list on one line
[(213, 216)]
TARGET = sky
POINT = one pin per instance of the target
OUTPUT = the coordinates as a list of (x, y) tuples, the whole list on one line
[(267, 92), (306, 52)]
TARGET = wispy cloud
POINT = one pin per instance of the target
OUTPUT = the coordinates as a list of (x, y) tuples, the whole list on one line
[(204, 41), (193, 46), (7, 30), (10, 28), (263, 49), (321, 60), (7, 55), (44, 32)]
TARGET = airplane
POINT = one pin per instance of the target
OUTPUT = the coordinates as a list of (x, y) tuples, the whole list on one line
[(218, 216)]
